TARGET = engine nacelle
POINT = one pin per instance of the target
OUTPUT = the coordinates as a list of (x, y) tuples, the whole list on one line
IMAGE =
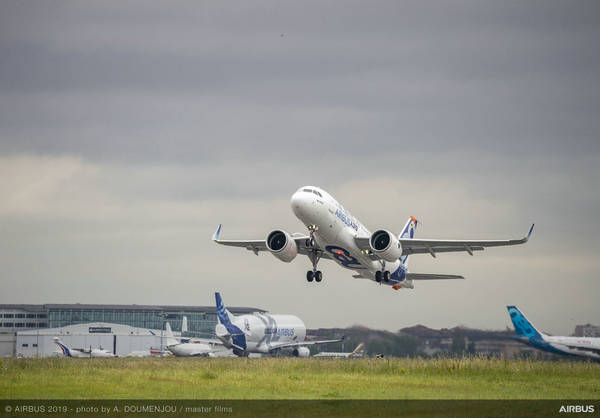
[(282, 245), (301, 352), (385, 245)]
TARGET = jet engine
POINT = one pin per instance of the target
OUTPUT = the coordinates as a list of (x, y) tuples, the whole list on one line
[(301, 352), (385, 245), (282, 245)]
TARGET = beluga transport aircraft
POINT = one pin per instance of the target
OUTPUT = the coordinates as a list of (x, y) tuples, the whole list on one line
[(334, 234), (263, 333)]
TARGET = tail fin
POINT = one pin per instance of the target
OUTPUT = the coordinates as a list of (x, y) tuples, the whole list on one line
[(224, 316), (184, 325), (358, 348), (65, 350), (408, 232), (170, 337), (523, 327)]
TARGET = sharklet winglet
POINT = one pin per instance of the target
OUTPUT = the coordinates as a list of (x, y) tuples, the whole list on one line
[(530, 230), (217, 233)]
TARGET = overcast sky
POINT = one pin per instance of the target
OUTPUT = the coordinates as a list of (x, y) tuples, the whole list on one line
[(130, 130)]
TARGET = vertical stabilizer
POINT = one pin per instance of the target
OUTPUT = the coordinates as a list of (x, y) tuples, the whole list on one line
[(170, 337), (65, 350), (408, 232), (184, 325), (523, 327), (357, 349), (225, 317)]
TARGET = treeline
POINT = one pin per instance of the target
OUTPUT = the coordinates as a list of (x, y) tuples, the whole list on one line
[(376, 341)]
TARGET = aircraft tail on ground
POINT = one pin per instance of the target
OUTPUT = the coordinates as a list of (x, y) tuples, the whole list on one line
[(170, 337), (184, 325), (408, 232), (523, 327), (226, 319), (65, 350), (357, 349)]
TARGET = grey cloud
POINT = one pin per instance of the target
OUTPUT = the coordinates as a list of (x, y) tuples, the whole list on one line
[(516, 77), (129, 130)]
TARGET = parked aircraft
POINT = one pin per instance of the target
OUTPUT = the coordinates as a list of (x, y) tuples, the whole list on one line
[(153, 352), (204, 348), (81, 352), (357, 352), (336, 235), (575, 346), (262, 333)]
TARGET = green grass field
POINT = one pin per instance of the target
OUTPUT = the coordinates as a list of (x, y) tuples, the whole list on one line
[(292, 378)]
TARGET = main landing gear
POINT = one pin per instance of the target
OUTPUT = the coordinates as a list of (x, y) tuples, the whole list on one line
[(382, 275), (314, 274), (314, 256)]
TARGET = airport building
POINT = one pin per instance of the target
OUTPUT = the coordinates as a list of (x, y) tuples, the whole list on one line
[(57, 320), (587, 330)]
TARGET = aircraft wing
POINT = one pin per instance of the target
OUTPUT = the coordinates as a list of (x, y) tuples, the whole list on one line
[(277, 346), (427, 276), (257, 245), (433, 246)]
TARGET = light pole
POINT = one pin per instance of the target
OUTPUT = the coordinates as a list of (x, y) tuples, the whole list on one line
[(162, 327)]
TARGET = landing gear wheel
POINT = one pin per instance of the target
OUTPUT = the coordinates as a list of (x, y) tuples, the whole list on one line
[(318, 276), (386, 276), (310, 275), (378, 275)]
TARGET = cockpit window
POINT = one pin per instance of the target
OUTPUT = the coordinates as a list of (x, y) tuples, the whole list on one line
[(307, 190), (317, 193)]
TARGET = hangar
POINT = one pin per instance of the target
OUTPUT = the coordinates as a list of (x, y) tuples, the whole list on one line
[(116, 338), (28, 319)]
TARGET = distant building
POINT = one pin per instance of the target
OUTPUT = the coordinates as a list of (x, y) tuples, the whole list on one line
[(120, 340), (20, 317), (587, 330)]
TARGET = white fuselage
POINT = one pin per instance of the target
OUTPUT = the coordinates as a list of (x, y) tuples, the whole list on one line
[(336, 230), (578, 346), (265, 332), (84, 353), (197, 349)]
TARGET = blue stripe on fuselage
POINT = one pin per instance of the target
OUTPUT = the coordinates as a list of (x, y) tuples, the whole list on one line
[(398, 275)]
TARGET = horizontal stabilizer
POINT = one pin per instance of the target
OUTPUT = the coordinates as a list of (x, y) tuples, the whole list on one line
[(426, 276)]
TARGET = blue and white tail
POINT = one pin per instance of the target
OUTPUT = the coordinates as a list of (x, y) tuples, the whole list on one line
[(408, 232), (226, 318), (65, 350), (523, 327)]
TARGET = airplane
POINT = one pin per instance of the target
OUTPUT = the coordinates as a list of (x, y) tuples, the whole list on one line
[(81, 352), (204, 348), (355, 353), (152, 352), (262, 333), (335, 234), (574, 346)]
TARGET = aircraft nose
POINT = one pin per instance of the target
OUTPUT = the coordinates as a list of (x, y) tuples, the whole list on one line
[(299, 201)]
